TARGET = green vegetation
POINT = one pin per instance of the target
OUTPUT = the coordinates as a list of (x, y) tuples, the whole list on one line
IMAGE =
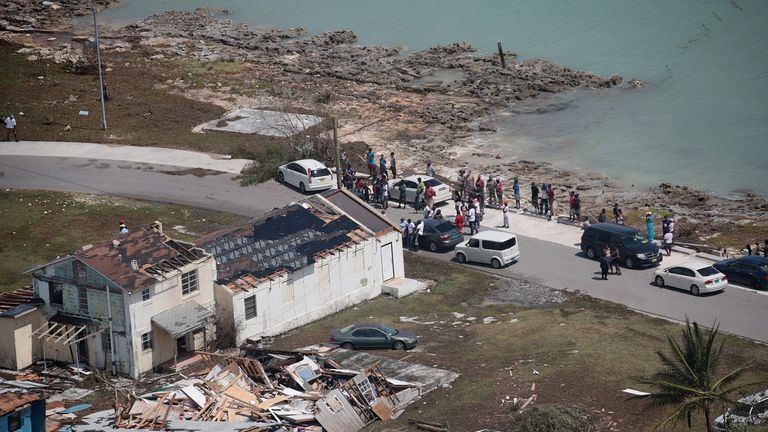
[(552, 418), (39, 226), (687, 381)]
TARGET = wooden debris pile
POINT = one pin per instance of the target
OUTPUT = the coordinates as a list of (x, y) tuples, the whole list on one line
[(270, 391)]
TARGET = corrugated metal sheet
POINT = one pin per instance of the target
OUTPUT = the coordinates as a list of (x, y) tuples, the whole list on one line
[(182, 319)]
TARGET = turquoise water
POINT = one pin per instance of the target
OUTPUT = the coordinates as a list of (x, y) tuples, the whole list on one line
[(701, 119)]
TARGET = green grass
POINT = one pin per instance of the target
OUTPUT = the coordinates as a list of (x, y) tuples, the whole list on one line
[(38, 226)]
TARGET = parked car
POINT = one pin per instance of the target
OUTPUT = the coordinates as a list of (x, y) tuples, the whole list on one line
[(694, 276), (635, 250), (372, 336), (442, 190), (497, 248), (440, 234), (751, 271), (750, 410), (306, 175)]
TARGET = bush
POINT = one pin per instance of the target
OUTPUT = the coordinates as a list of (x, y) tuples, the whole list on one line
[(265, 163), (552, 418)]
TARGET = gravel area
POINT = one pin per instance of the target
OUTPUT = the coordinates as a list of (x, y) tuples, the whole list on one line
[(523, 293)]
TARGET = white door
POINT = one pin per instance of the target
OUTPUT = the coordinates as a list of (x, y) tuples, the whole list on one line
[(23, 338), (387, 262)]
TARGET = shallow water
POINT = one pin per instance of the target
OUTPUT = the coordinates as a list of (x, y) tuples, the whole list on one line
[(701, 119)]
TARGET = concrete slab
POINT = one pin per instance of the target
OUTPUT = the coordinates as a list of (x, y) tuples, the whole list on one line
[(262, 122), (401, 287)]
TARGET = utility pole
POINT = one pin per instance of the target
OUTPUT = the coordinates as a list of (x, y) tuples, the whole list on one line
[(336, 147), (101, 77), (501, 55)]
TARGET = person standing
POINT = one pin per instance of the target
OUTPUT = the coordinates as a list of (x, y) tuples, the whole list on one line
[(616, 211), (402, 193), (765, 248), (577, 206), (382, 165), (438, 214), (459, 221), (747, 250), (430, 194), (10, 128), (605, 265), (620, 218), (602, 216), (551, 199), (505, 212), (419, 233), (472, 219), (649, 224), (427, 212), (665, 224), (535, 196), (668, 241), (615, 260), (571, 212), (544, 206), (480, 191), (430, 171), (404, 229), (516, 191), (392, 164), (370, 156), (411, 233), (490, 190), (385, 195), (343, 160), (420, 188)]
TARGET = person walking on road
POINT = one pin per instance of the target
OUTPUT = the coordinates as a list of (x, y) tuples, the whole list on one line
[(535, 197), (505, 212), (516, 191), (649, 217), (668, 241), (605, 264), (472, 219), (459, 221), (10, 128), (392, 165)]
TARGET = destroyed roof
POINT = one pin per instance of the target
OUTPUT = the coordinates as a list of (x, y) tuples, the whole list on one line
[(155, 255), (183, 318), (286, 239), (359, 211), (13, 399), (16, 302)]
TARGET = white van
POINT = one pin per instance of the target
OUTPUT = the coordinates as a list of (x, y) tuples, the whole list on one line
[(497, 248)]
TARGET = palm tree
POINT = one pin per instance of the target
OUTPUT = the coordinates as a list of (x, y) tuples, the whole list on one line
[(686, 381)]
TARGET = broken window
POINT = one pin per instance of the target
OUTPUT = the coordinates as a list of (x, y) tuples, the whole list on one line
[(106, 342), (82, 294), (189, 282), (366, 390), (145, 295), (250, 307), (146, 341), (55, 293), (78, 270)]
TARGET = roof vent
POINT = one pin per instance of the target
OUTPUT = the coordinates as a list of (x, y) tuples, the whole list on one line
[(135, 265), (115, 243)]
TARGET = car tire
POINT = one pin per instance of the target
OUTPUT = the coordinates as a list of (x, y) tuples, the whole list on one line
[(695, 290), (659, 281), (348, 346), (302, 188), (756, 285), (591, 253), (460, 257), (495, 263), (399, 346), (432, 246), (280, 177), (629, 262)]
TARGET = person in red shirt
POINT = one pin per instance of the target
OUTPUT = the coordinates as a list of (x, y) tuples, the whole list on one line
[(460, 222), (430, 196)]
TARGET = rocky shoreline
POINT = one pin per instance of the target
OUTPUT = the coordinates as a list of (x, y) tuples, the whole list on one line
[(434, 104)]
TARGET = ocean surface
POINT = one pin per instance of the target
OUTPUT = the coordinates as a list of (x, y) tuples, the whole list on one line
[(701, 118)]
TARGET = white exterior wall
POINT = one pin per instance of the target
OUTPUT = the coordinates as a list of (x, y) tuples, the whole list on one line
[(396, 239), (330, 285), (164, 295)]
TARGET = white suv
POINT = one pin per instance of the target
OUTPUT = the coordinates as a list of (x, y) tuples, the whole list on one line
[(497, 248), (306, 174)]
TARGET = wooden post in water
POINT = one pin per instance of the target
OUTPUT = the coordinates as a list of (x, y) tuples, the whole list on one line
[(501, 55)]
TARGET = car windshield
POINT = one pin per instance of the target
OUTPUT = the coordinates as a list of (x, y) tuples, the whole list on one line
[(388, 330), (433, 183), (322, 172), (347, 329), (708, 271), (635, 239), (741, 409), (445, 227)]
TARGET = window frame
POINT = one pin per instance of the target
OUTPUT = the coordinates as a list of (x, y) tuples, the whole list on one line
[(82, 299), (146, 294), (186, 285), (147, 341), (254, 308), (55, 286)]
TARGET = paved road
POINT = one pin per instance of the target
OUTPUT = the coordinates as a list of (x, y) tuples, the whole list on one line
[(740, 312)]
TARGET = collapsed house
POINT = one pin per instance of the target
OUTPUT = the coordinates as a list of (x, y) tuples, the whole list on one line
[(297, 264), (128, 304)]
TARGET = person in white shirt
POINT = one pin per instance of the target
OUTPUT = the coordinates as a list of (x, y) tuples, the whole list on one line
[(384, 196), (505, 211), (411, 234), (472, 219), (668, 242), (427, 212), (419, 232), (10, 128)]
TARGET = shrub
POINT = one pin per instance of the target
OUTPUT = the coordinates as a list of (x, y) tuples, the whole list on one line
[(552, 418)]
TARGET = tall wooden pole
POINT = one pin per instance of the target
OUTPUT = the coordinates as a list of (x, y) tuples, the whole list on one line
[(501, 55), (336, 147), (98, 59)]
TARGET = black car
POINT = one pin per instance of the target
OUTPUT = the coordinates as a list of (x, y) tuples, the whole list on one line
[(372, 336), (635, 250), (439, 234), (749, 270)]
